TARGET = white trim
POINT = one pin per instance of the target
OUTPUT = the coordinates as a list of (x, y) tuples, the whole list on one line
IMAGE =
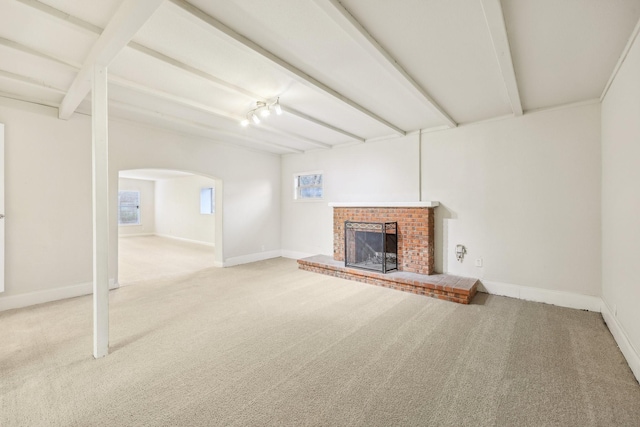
[(295, 254), (40, 297), (182, 239), (136, 235), (630, 353), (547, 296), (429, 204), (246, 259)]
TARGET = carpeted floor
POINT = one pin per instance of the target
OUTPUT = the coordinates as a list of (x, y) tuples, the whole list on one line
[(268, 344)]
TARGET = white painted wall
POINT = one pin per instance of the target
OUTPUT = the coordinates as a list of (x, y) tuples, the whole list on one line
[(376, 171), (621, 200), (178, 209), (48, 196), (523, 194), (48, 199), (147, 206)]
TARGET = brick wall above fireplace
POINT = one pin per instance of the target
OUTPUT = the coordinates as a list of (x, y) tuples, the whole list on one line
[(415, 230)]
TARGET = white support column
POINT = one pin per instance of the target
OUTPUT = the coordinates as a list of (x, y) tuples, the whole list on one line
[(100, 158)]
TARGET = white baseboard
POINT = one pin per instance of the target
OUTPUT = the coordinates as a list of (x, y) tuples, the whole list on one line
[(559, 298), (197, 242), (628, 350), (48, 295), (245, 259), (295, 255), (135, 235)]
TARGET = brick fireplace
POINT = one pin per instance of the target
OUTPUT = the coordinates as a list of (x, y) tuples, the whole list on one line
[(415, 251), (415, 230)]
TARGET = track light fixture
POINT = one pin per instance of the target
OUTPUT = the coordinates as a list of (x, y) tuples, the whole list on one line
[(263, 109)]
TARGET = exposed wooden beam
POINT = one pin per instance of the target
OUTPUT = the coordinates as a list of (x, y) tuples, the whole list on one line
[(296, 73), (297, 137), (30, 81), (33, 52), (138, 88), (320, 123), (159, 94), (29, 99), (215, 131), (341, 16), (495, 22), (217, 82), (128, 19), (231, 88), (62, 16)]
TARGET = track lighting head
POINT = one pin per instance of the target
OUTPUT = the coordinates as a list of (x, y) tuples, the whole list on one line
[(263, 109)]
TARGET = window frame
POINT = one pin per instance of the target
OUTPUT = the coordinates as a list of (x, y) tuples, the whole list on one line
[(213, 200), (296, 187), (139, 215)]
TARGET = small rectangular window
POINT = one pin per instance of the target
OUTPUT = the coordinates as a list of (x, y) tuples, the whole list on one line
[(308, 186), (207, 201), (129, 207)]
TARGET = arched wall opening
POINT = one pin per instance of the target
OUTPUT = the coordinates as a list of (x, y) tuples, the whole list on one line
[(169, 223)]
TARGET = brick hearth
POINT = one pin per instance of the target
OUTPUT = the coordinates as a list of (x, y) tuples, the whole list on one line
[(442, 286)]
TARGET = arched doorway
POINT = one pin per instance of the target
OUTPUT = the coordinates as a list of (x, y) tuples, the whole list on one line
[(169, 224)]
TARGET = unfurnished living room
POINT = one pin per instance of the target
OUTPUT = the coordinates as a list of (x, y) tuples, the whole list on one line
[(319, 212)]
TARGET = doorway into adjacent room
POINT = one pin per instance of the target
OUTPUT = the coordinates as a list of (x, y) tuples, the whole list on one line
[(166, 224)]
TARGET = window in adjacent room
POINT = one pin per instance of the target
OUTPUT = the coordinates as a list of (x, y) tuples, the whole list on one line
[(128, 207), (308, 186), (207, 200)]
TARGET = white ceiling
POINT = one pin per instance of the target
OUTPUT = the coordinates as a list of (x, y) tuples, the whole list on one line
[(345, 71)]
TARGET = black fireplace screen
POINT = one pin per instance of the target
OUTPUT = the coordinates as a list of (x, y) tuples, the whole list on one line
[(371, 245)]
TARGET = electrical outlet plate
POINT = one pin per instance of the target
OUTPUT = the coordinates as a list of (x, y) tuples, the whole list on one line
[(478, 262)]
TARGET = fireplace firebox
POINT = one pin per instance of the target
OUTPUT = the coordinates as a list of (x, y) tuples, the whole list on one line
[(371, 245)]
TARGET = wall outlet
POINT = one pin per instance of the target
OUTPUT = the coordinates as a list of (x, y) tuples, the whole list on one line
[(478, 262)]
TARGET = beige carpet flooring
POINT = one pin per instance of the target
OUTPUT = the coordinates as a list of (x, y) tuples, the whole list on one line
[(266, 344), (152, 257)]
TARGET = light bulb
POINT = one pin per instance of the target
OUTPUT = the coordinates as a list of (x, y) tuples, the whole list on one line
[(244, 123), (277, 107), (255, 118), (265, 112)]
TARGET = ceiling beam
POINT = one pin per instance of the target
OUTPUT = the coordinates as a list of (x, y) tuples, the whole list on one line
[(62, 16), (141, 89), (341, 16), (320, 123), (217, 82), (498, 31), (299, 75), (31, 82), (159, 94), (33, 52), (236, 90), (128, 19), (210, 129)]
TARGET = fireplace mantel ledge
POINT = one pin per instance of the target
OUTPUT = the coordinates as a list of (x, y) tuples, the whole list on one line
[(430, 204)]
